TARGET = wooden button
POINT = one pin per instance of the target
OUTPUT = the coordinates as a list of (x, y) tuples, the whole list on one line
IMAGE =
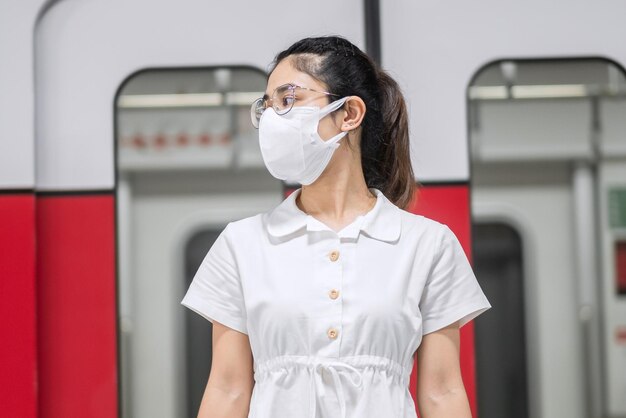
[(334, 255), (333, 294), (332, 333)]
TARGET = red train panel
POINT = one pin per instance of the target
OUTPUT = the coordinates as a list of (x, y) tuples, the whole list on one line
[(77, 306), (18, 350)]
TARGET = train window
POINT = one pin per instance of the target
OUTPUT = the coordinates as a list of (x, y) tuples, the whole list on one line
[(531, 110), (548, 159), (188, 162), (197, 120)]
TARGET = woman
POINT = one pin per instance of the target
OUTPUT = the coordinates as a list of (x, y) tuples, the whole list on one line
[(334, 290)]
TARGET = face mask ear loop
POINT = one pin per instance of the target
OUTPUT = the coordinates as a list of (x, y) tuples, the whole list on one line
[(334, 141), (331, 107)]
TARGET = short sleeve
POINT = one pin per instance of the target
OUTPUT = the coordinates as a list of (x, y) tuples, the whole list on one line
[(451, 292), (215, 291)]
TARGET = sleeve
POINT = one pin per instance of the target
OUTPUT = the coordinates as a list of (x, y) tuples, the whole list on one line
[(215, 291), (451, 292)]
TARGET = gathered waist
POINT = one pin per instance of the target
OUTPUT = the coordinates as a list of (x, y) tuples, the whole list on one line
[(358, 363), (351, 368)]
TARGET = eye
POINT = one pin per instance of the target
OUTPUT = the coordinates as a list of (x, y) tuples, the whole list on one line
[(287, 100)]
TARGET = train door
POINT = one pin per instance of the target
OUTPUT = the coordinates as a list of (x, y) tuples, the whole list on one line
[(188, 162), (540, 132)]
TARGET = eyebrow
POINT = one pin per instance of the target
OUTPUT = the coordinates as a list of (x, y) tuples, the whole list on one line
[(266, 96)]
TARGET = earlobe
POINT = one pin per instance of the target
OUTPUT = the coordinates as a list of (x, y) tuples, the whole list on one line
[(355, 111), (349, 127)]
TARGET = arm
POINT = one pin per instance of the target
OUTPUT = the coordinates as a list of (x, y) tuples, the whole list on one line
[(229, 389), (440, 390)]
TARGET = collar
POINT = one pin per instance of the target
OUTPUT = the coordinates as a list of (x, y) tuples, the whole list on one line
[(382, 222)]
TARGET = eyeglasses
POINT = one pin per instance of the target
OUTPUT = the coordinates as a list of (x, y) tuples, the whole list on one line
[(282, 101)]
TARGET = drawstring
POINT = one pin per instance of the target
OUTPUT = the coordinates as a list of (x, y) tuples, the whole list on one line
[(317, 383)]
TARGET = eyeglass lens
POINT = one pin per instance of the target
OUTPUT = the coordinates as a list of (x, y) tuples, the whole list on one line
[(283, 98), (256, 111), (282, 101)]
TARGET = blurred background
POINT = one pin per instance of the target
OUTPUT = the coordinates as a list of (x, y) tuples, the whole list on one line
[(126, 147)]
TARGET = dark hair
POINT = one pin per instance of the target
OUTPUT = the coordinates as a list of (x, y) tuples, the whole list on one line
[(348, 71)]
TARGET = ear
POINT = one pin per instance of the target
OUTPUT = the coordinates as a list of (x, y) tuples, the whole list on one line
[(355, 109)]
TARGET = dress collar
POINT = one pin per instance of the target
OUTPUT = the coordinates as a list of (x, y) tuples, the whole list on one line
[(382, 222)]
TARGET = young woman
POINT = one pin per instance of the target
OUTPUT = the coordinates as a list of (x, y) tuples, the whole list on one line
[(319, 305)]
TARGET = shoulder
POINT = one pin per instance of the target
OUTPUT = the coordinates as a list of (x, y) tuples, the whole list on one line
[(254, 228), (244, 228), (238, 237), (422, 227)]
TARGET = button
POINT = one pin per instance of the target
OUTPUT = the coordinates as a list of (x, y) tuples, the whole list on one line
[(332, 333), (333, 294), (334, 255)]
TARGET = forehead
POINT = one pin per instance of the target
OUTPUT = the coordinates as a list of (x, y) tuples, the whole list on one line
[(285, 73)]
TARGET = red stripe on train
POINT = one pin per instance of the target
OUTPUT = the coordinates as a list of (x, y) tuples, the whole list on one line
[(18, 330), (77, 306)]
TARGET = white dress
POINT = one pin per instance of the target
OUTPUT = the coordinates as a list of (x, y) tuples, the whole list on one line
[(334, 318)]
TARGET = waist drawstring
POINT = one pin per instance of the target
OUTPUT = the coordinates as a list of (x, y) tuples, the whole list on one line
[(334, 367)]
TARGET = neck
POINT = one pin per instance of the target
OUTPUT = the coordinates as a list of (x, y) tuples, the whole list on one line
[(340, 192)]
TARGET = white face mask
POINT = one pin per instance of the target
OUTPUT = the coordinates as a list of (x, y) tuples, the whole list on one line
[(290, 145)]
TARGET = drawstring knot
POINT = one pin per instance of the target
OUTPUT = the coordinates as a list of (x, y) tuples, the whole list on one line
[(335, 367)]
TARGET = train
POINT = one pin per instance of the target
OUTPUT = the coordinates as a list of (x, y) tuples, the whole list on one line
[(126, 147)]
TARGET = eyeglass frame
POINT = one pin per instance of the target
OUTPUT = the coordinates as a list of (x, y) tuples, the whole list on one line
[(266, 98)]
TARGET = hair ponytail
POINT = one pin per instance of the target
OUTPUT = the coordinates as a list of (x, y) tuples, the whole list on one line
[(395, 153), (348, 71)]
